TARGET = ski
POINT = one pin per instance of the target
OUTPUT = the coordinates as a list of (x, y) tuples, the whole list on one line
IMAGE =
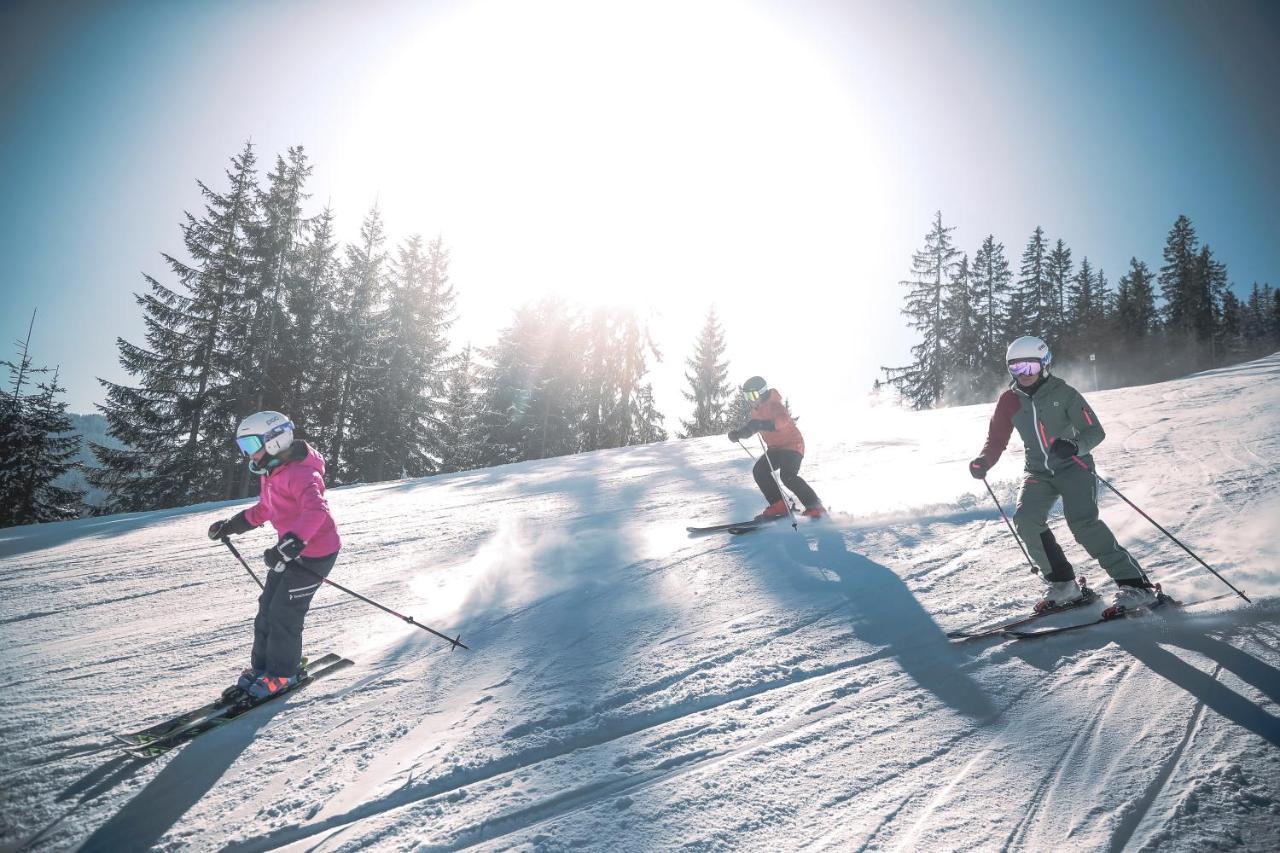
[(225, 714), (1004, 628), (1162, 601), (734, 526), (164, 727)]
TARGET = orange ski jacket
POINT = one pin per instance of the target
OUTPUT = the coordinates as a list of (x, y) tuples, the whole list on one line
[(783, 434)]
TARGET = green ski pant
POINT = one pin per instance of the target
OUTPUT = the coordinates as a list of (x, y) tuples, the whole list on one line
[(1079, 492)]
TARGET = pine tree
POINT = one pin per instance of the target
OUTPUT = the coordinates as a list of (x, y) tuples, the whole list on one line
[(1136, 316), (989, 282), (1231, 339), (457, 435), (1209, 283), (178, 423), (963, 342), (1177, 276), (1031, 309), (304, 353), (1058, 315), (1082, 306), (407, 376), (37, 446), (924, 380), (708, 378), (357, 331)]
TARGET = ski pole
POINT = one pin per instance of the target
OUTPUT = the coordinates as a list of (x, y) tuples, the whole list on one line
[(1078, 461), (747, 450), (243, 563), (456, 642), (778, 480), (1016, 538)]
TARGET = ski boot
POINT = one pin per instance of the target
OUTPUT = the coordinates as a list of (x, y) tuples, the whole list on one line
[(777, 509), (266, 686), (815, 512), (1060, 594), (1132, 593)]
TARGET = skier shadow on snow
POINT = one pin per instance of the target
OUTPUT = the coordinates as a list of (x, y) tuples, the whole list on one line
[(1149, 648), (886, 613), (190, 774)]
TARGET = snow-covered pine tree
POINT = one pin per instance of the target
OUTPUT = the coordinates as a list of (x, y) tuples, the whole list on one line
[(923, 382), (356, 335), (708, 378), (1058, 317), (179, 421), (1032, 307), (457, 432), (989, 283), (37, 446)]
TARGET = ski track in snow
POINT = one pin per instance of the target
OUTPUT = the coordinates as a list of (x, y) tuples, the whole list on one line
[(634, 688)]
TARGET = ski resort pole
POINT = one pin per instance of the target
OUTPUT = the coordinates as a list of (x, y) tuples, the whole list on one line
[(1078, 461), (1016, 538), (456, 642), (778, 480)]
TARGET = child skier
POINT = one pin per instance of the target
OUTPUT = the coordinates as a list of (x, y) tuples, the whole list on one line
[(291, 476), (770, 418), (1058, 429)]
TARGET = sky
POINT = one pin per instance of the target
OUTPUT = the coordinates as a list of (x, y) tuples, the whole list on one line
[(780, 161)]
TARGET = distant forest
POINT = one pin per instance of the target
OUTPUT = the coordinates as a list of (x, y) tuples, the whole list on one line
[(263, 309), (1152, 325)]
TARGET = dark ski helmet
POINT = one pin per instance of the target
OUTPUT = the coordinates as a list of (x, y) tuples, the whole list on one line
[(754, 388)]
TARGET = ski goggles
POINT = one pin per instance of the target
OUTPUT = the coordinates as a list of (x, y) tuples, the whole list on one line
[(249, 444), (751, 396), (1027, 367)]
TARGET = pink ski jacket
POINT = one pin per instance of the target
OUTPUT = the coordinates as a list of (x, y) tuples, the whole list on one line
[(292, 499)]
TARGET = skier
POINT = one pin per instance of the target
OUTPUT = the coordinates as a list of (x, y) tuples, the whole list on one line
[(1057, 428), (291, 477), (770, 418)]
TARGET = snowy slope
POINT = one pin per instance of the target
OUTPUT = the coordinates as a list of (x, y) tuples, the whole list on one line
[(632, 688)]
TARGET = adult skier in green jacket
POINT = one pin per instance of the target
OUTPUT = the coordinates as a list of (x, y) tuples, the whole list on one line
[(1059, 430)]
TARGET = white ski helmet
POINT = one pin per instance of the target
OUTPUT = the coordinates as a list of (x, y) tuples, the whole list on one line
[(1029, 347), (270, 430)]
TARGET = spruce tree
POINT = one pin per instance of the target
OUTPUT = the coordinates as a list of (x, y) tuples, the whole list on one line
[(989, 283), (178, 423), (709, 388), (1058, 316), (963, 342), (1136, 316), (923, 382), (1178, 276), (304, 354), (1032, 307), (356, 323), (37, 446), (457, 433)]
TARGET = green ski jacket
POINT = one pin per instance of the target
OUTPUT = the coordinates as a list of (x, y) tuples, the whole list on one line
[(1052, 410)]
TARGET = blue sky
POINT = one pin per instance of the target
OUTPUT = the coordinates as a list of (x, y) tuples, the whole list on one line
[(779, 160)]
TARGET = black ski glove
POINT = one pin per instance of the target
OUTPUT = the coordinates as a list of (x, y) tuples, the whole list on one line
[(1063, 448), (288, 548), (734, 436), (978, 468), (233, 526)]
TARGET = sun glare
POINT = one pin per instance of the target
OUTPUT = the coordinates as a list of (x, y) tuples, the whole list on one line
[(605, 153)]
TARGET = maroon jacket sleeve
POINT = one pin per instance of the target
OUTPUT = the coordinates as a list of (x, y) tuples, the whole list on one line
[(1000, 428)]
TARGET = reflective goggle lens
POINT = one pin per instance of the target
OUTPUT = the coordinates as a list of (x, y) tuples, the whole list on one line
[(249, 444), (1025, 368), (751, 396)]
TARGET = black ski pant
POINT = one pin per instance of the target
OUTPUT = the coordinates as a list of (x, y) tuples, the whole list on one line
[(282, 607), (787, 464)]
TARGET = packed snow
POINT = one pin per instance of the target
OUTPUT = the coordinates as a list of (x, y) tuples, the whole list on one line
[(632, 687)]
